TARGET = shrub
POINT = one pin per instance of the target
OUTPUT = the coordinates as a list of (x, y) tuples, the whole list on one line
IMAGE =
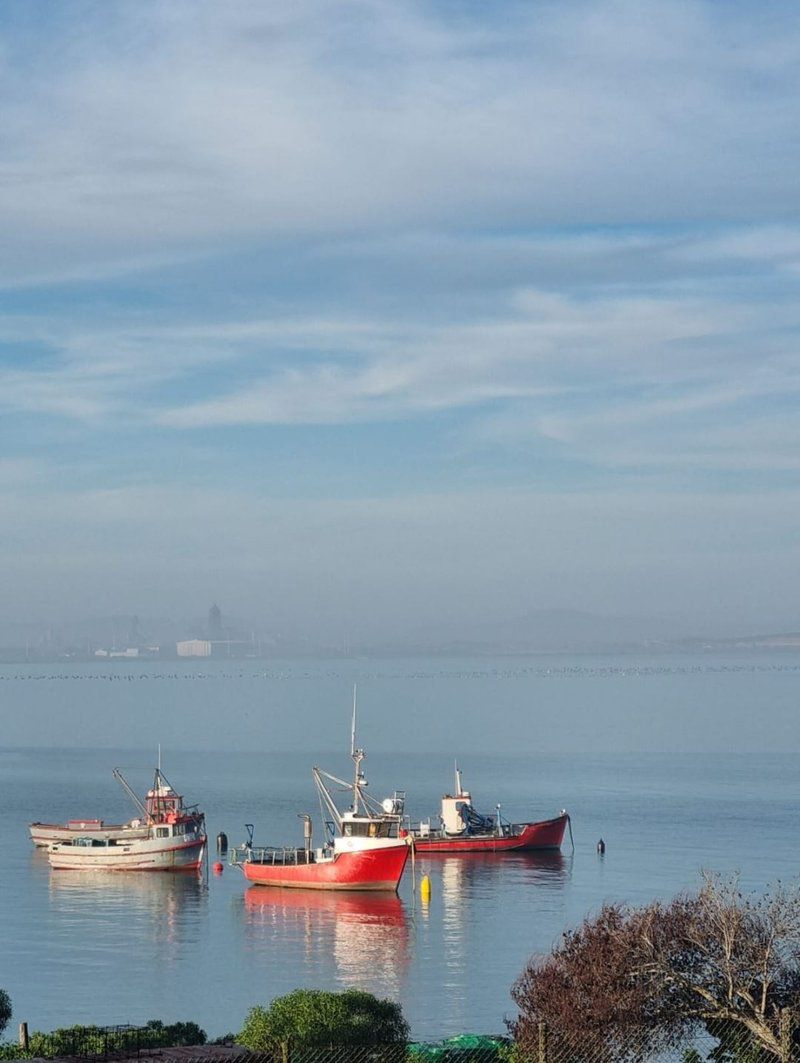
[(314, 1017), (633, 981)]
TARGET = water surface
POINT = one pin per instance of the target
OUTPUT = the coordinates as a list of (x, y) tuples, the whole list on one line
[(113, 949)]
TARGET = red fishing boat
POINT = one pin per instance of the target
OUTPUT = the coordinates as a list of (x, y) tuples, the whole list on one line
[(463, 829), (364, 848), (375, 867)]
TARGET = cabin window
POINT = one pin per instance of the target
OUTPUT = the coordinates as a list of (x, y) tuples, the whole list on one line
[(162, 832)]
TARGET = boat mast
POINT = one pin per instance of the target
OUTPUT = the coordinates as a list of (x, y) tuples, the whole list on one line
[(358, 756), (362, 805), (131, 793), (458, 781)]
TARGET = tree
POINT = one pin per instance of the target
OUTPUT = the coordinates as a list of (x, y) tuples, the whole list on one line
[(633, 980), (312, 1017), (5, 1009)]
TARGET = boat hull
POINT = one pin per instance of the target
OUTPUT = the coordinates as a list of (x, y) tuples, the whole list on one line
[(379, 868), (45, 834), (147, 855), (545, 835)]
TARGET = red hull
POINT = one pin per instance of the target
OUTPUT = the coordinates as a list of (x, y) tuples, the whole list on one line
[(547, 834), (368, 869)]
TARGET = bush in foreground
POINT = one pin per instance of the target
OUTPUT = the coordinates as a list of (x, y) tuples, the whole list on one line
[(635, 980), (314, 1017)]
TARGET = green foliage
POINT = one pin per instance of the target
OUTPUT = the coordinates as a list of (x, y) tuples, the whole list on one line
[(159, 1035), (312, 1017), (5, 1009), (224, 1039), (98, 1040)]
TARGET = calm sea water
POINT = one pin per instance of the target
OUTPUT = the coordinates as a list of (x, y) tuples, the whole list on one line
[(83, 948)]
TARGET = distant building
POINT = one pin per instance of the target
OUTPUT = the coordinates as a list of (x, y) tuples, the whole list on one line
[(215, 630), (194, 648)]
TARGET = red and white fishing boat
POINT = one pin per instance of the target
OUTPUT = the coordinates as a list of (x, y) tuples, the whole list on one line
[(173, 838), (463, 829), (364, 850)]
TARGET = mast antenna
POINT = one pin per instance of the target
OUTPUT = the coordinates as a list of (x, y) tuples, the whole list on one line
[(357, 755), (353, 728)]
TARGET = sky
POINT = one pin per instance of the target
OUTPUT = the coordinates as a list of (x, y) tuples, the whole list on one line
[(373, 316)]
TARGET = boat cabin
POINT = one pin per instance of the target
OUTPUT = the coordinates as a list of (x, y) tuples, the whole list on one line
[(460, 817), (162, 802), (357, 826), (454, 820), (175, 830)]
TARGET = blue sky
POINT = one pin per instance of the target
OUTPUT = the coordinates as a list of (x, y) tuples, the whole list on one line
[(364, 314)]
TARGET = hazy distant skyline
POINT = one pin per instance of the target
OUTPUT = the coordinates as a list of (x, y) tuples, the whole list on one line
[(378, 317)]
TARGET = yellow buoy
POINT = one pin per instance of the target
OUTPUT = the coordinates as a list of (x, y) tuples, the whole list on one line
[(425, 889)]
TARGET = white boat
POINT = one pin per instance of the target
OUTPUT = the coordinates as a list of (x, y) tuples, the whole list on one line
[(174, 837)]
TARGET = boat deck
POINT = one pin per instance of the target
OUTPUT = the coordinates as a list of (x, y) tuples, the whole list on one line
[(286, 856)]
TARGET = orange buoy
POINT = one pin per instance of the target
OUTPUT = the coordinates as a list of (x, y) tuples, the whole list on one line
[(218, 866)]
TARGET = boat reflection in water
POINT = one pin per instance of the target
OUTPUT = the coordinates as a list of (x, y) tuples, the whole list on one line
[(480, 874), (475, 899), (367, 934), (159, 906)]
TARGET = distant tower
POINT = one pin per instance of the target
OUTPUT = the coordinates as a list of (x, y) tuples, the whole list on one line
[(215, 622)]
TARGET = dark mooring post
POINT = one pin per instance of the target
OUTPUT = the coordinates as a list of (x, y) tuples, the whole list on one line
[(23, 1036), (542, 1042)]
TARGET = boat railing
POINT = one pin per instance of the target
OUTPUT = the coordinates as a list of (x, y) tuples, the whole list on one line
[(277, 855), (418, 828)]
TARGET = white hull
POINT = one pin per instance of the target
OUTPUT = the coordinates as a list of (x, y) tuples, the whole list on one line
[(151, 854)]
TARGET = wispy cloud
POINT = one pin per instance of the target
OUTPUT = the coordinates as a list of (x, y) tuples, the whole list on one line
[(612, 377), (408, 249), (168, 126)]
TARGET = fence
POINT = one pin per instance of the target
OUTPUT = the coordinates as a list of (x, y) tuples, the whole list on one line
[(93, 1042), (721, 1043), (97, 1042), (716, 1043)]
